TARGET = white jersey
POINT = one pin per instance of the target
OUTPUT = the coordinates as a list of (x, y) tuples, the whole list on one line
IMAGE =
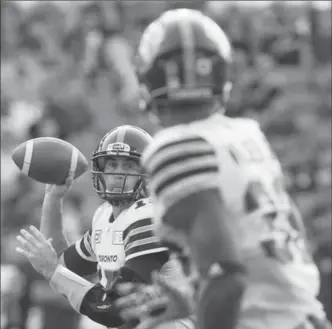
[(111, 242), (233, 156)]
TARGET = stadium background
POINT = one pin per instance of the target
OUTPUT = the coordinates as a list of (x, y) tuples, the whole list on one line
[(58, 79)]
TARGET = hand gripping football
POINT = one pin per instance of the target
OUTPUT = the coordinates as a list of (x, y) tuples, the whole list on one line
[(49, 160)]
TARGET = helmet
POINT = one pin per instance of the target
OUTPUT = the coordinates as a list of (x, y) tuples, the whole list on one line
[(183, 56), (127, 141)]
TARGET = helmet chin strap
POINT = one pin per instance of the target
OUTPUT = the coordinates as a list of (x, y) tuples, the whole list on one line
[(136, 194), (119, 202)]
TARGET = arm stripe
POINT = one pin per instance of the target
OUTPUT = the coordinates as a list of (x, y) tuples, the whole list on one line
[(179, 142), (190, 173), (147, 248), (173, 160), (142, 242), (87, 245), (83, 248), (139, 236), (82, 255), (137, 231), (88, 236), (159, 249), (139, 223)]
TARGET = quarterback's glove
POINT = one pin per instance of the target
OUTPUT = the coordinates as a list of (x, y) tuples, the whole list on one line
[(161, 302)]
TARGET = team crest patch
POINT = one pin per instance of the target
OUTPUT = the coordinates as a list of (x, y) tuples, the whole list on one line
[(117, 237), (98, 234)]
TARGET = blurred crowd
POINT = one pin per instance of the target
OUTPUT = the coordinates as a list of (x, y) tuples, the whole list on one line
[(66, 72)]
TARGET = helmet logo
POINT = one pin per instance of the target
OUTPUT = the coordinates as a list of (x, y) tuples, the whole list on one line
[(118, 147), (203, 66)]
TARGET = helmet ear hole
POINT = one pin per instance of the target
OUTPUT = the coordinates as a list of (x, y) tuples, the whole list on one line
[(226, 93)]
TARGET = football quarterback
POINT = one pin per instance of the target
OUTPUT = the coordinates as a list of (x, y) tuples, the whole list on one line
[(121, 245), (217, 186)]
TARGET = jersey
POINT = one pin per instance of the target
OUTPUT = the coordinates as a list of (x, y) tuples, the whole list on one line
[(111, 242), (234, 157)]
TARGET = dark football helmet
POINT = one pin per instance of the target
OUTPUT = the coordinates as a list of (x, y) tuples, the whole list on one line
[(183, 56), (126, 141)]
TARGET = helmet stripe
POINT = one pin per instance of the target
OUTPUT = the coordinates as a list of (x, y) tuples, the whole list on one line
[(188, 51), (121, 134)]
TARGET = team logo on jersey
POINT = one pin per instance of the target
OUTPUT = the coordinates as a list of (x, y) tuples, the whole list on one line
[(118, 147), (98, 234), (117, 238)]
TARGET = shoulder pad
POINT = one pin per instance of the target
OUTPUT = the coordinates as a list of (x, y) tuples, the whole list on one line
[(100, 210), (139, 236), (253, 124), (141, 205), (180, 163)]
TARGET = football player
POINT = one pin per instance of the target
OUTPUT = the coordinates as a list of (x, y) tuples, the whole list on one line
[(118, 180), (121, 245), (217, 187)]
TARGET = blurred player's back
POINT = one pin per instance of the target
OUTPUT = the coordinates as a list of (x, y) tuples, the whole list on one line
[(283, 281), (217, 186)]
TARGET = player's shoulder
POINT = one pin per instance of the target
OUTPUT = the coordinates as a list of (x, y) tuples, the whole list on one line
[(103, 210), (139, 212), (174, 134), (248, 126), (240, 129), (179, 139), (138, 215), (246, 123), (142, 208)]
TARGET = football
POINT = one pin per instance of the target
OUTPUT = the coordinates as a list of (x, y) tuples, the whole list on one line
[(49, 160)]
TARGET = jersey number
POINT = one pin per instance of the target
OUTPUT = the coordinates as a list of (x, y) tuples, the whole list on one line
[(284, 244)]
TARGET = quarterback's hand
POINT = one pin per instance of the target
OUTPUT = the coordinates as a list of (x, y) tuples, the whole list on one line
[(59, 191), (153, 305), (38, 251)]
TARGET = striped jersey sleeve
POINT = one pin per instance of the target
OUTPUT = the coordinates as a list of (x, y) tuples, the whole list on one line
[(84, 247), (139, 238), (180, 164), (80, 257)]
